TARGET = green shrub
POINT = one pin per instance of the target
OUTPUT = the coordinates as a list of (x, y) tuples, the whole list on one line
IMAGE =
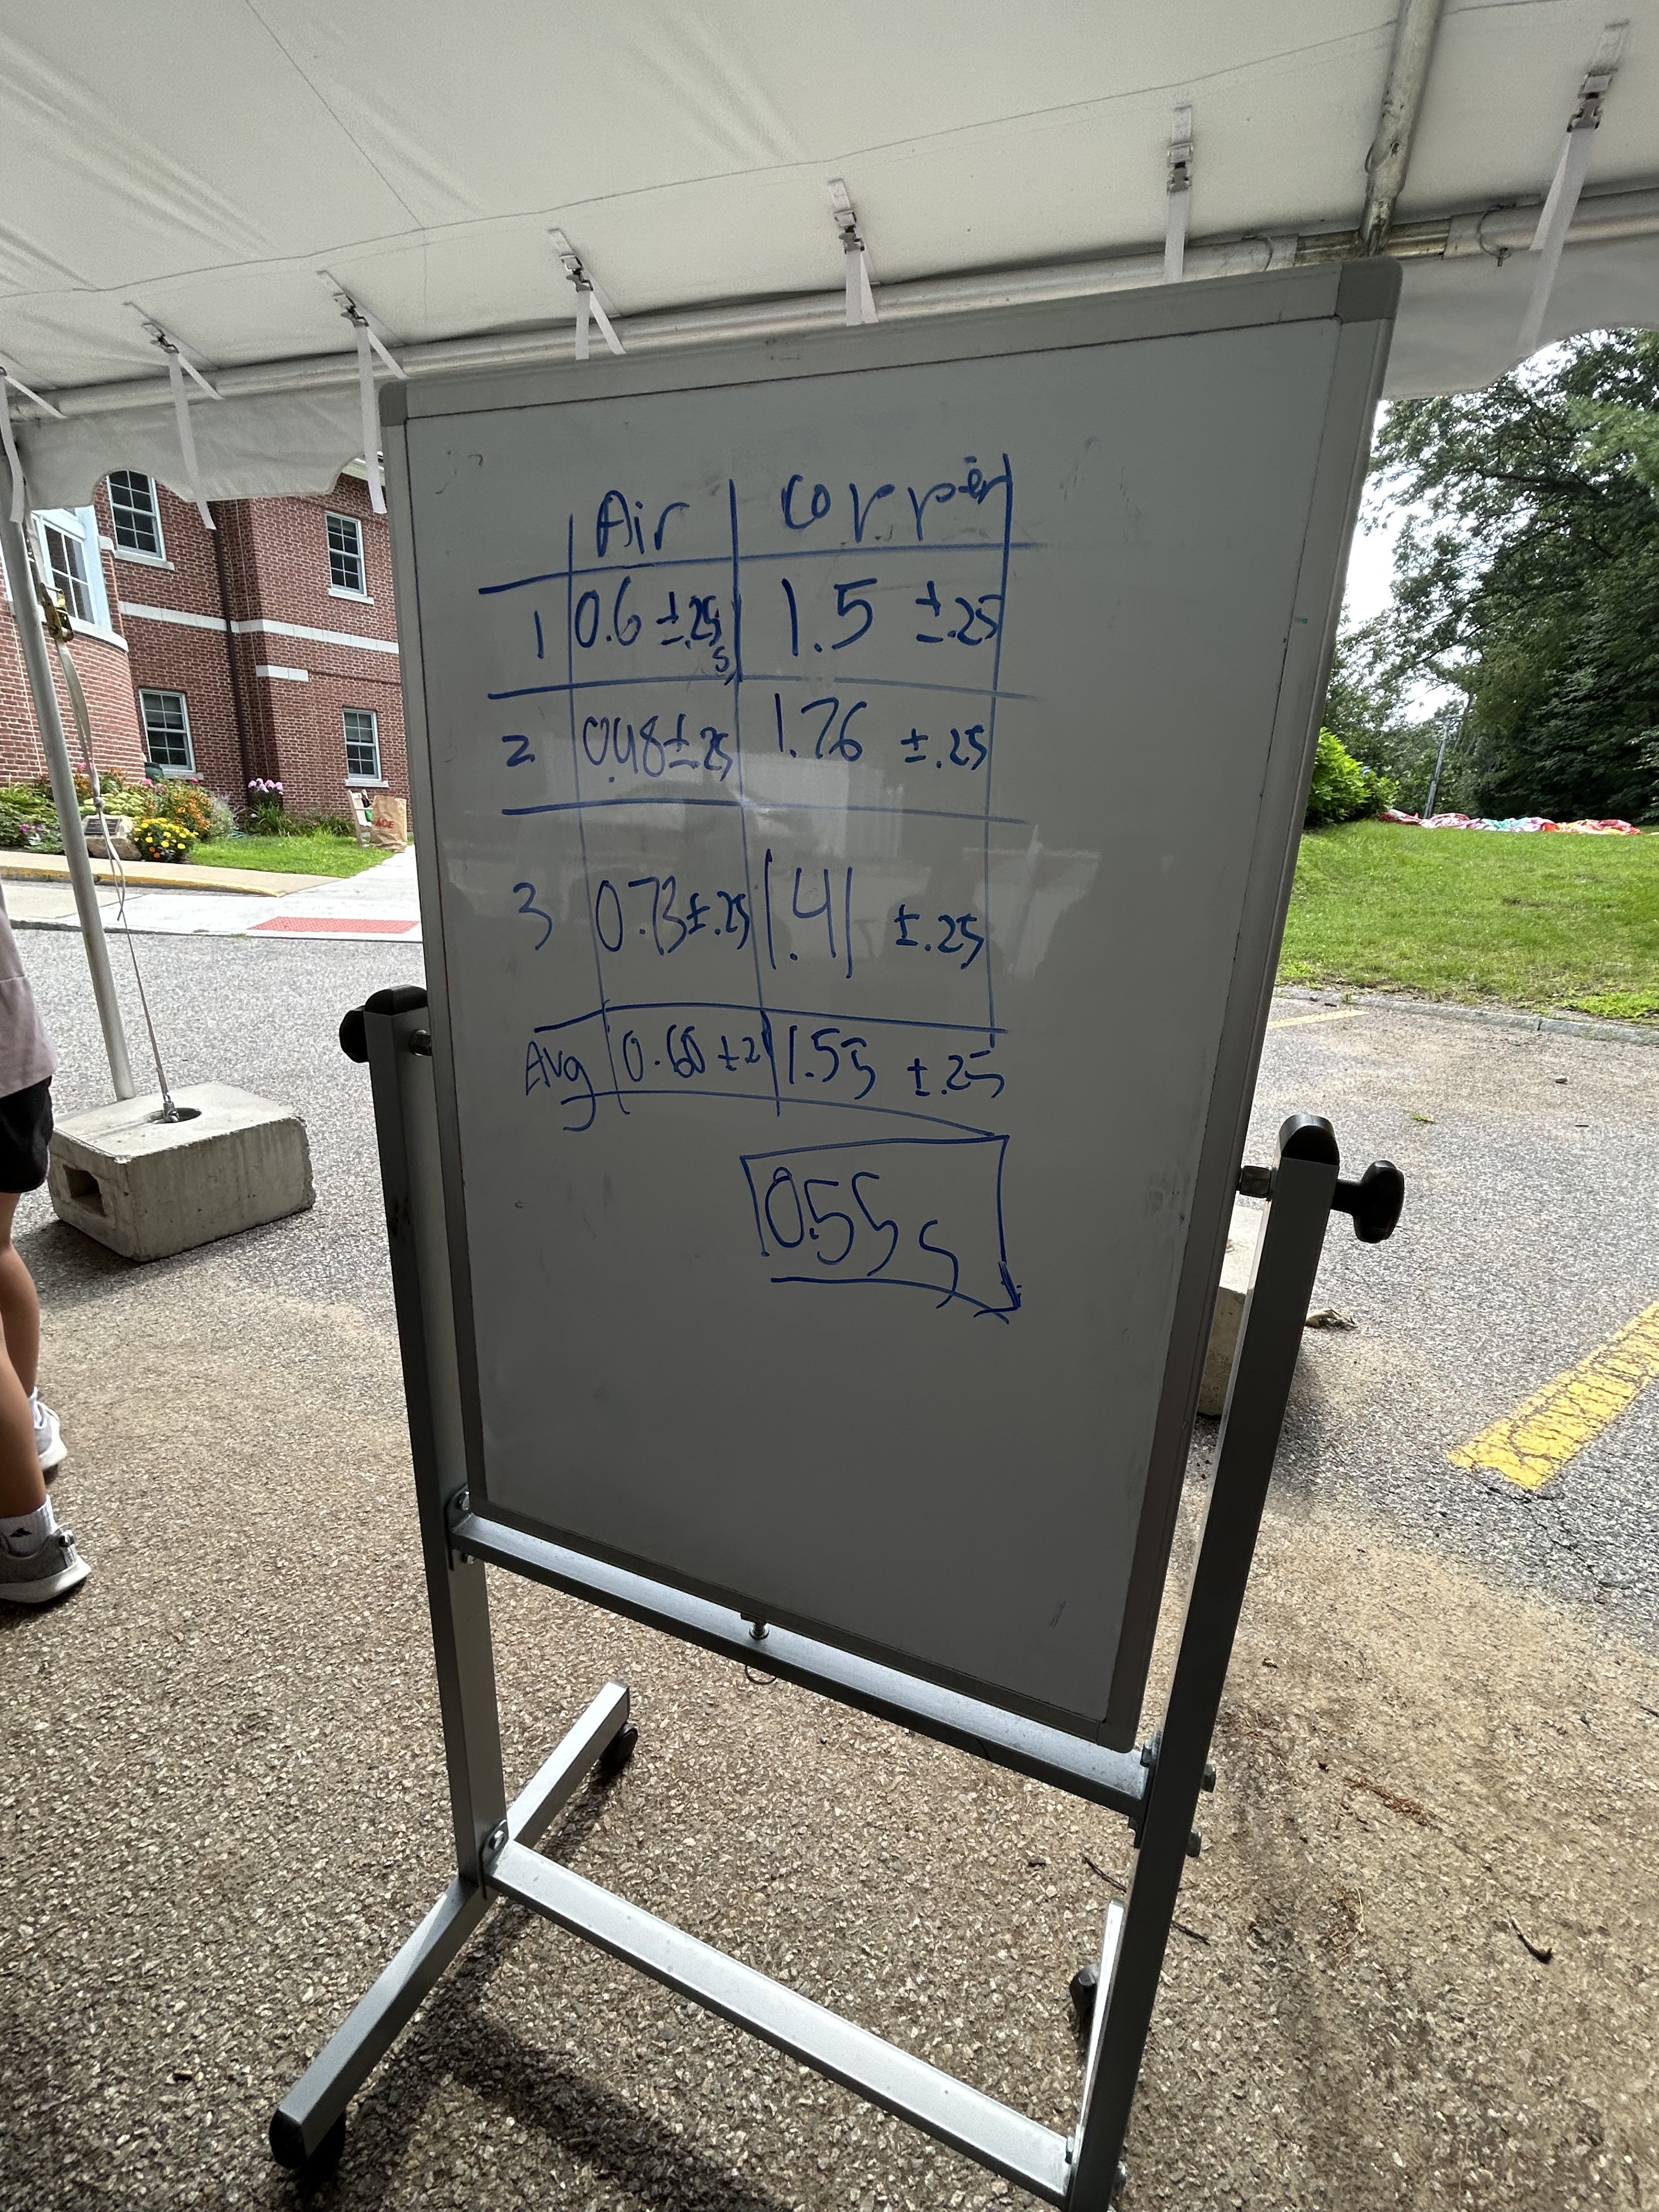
[(331, 825), (186, 804), (32, 800), (29, 820), (120, 799), (1343, 789), (158, 839)]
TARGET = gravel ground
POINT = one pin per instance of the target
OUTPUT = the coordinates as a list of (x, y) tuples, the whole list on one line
[(223, 1805)]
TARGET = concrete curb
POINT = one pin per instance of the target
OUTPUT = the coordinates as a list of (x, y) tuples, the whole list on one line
[(1496, 1017), (167, 875)]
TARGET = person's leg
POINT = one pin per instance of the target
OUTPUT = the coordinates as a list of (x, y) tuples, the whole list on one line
[(22, 1486), (38, 1562), (20, 1309)]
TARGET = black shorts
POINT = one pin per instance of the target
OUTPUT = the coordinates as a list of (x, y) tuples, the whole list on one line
[(25, 1134)]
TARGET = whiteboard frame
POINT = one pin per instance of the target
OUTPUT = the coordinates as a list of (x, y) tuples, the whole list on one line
[(1360, 298)]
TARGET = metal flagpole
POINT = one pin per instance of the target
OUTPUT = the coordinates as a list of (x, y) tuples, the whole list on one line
[(1447, 737), (26, 612)]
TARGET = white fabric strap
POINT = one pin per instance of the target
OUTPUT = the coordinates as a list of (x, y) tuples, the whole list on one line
[(587, 306), (19, 500), (1180, 199), (861, 290), (1553, 198), (860, 298), (604, 321), (369, 400), (9, 382), (1547, 244), (370, 344), (1562, 203), (78, 707), (590, 309), (186, 435)]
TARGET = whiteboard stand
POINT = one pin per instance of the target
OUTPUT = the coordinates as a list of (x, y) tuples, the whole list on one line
[(1158, 1791)]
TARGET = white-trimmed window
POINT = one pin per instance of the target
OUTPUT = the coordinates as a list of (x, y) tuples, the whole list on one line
[(66, 557), (67, 537), (345, 554), (166, 730), (362, 745), (136, 514)]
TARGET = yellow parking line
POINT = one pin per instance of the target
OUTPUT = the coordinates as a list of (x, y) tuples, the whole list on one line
[(1300, 1021), (1546, 1430)]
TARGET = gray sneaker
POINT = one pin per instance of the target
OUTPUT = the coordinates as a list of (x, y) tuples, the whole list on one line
[(49, 1444), (36, 1577)]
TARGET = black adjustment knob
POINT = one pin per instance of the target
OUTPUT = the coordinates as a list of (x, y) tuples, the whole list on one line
[(1309, 1136), (1375, 1202), (401, 999)]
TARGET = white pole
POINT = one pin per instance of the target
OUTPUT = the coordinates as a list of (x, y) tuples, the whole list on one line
[(1446, 737), (1391, 149), (26, 612)]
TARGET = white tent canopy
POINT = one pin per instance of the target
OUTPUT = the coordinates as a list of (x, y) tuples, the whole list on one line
[(199, 162)]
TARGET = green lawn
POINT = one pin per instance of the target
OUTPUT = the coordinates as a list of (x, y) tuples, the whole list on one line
[(1471, 914), (288, 856)]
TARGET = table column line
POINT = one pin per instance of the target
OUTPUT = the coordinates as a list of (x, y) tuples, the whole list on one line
[(991, 737), (743, 809), (581, 817)]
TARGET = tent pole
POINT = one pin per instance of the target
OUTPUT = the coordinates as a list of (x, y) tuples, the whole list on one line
[(1391, 149), (31, 637)]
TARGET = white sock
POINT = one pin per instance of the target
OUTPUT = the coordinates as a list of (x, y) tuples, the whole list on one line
[(24, 1533)]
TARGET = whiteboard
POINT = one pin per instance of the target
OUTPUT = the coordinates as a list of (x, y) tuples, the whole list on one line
[(857, 779)]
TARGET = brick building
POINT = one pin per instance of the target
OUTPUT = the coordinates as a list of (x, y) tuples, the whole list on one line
[(67, 545), (265, 648)]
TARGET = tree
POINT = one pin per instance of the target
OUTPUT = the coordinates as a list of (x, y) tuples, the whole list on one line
[(1527, 575), (1364, 709)]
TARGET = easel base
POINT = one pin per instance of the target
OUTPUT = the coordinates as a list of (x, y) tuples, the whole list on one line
[(308, 2127)]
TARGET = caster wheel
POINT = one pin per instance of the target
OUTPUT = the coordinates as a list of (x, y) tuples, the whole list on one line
[(1081, 1990), (288, 2150), (618, 1753)]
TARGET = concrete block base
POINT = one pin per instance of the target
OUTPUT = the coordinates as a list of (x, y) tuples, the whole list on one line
[(1245, 1228), (146, 1188)]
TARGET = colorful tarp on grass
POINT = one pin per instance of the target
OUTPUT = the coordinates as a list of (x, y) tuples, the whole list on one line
[(1519, 823)]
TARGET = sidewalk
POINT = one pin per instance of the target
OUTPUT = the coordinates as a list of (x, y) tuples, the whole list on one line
[(381, 902)]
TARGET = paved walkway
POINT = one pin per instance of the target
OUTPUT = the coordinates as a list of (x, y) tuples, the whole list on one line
[(380, 902)]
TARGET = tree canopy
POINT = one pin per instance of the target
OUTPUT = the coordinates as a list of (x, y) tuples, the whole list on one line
[(1527, 576)]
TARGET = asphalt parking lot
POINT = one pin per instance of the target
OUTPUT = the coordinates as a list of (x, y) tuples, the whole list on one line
[(223, 1801), (1530, 1236)]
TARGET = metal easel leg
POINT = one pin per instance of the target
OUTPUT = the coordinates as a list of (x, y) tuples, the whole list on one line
[(308, 2123), (391, 1033), (1304, 1188)]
